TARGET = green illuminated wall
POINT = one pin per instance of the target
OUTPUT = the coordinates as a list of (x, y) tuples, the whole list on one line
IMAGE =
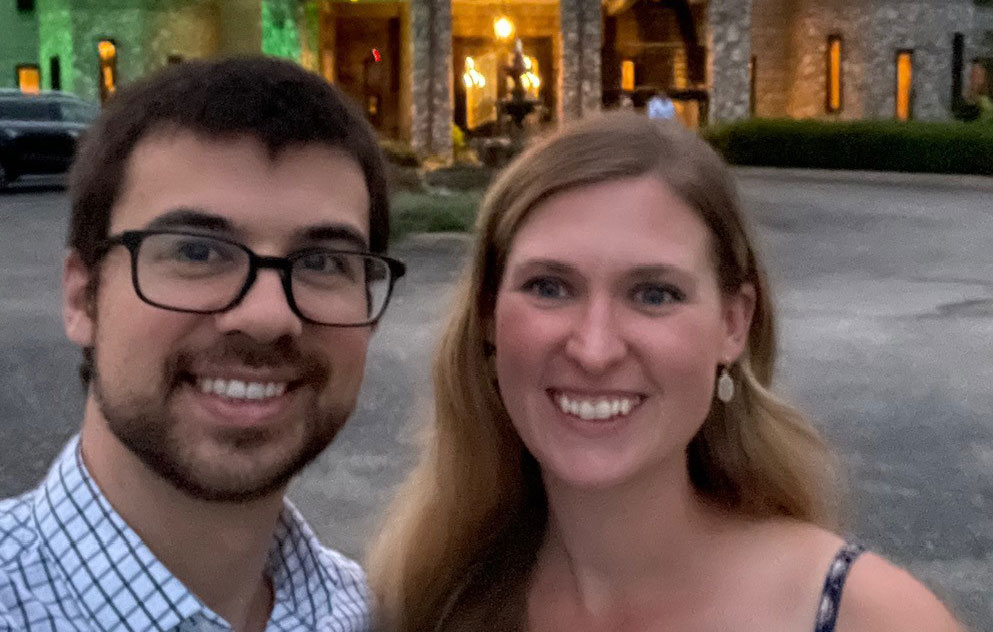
[(280, 28), (18, 42), (310, 28), (150, 32)]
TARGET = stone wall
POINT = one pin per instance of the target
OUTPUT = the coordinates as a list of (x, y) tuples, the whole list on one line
[(580, 84), (983, 32), (729, 35), (18, 43), (431, 77), (239, 26), (145, 32), (807, 82), (282, 21), (55, 39), (872, 32), (928, 29), (772, 24)]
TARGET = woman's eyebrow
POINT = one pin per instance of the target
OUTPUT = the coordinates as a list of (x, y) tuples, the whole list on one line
[(547, 265)]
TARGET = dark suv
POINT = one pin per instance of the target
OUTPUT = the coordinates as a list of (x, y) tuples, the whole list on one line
[(38, 132)]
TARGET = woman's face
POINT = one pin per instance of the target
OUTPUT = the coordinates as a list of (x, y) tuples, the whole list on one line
[(609, 326)]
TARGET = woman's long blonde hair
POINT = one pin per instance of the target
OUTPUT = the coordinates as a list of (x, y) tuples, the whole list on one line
[(477, 491)]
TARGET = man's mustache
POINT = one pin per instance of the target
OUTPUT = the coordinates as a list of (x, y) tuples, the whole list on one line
[(284, 353)]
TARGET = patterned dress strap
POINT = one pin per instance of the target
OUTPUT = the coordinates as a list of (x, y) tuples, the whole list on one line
[(827, 611)]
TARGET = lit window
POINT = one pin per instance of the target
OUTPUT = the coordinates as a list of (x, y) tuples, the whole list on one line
[(904, 85), (107, 52), (834, 70), (29, 78), (627, 75)]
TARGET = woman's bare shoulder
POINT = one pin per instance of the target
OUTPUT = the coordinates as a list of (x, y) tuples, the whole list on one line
[(882, 597)]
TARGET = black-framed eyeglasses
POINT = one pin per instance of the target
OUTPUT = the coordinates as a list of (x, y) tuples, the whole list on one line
[(201, 274)]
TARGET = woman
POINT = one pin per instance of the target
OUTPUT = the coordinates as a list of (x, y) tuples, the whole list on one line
[(606, 454)]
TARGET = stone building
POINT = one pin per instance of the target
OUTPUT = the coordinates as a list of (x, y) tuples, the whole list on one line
[(884, 52), (420, 66)]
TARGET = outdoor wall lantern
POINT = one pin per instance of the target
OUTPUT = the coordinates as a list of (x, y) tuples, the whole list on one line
[(503, 28)]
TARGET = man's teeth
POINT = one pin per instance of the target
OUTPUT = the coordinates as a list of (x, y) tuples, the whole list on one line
[(600, 408), (237, 389)]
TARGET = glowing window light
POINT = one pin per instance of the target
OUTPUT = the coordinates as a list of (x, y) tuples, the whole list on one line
[(107, 50), (107, 53), (904, 84), (503, 28), (627, 75), (834, 74), (29, 79), (472, 77)]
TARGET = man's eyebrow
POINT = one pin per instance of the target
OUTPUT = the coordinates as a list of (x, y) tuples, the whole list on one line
[(188, 217), (335, 232)]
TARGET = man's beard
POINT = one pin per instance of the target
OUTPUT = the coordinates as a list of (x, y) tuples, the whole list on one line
[(145, 425)]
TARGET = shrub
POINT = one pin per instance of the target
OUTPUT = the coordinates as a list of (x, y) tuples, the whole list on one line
[(955, 147), (399, 153)]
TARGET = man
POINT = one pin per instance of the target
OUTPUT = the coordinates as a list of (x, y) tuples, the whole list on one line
[(224, 273), (660, 106)]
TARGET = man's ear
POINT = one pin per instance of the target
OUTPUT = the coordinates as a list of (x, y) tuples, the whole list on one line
[(78, 305), (738, 311)]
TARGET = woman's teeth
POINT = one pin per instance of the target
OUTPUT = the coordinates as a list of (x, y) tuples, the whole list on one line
[(596, 408), (236, 389)]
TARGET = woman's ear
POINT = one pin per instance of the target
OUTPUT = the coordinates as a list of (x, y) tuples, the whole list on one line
[(738, 311)]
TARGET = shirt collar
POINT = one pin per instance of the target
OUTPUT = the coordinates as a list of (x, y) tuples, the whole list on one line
[(122, 585), (117, 579)]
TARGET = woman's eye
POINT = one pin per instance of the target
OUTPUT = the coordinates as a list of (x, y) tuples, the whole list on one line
[(653, 295), (545, 287)]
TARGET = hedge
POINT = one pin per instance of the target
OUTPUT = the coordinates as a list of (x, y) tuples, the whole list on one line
[(954, 147)]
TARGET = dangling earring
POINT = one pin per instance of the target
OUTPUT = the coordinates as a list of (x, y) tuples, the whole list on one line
[(725, 386)]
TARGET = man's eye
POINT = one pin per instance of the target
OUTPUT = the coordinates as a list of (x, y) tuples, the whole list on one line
[(546, 287), (656, 295), (326, 263), (197, 252)]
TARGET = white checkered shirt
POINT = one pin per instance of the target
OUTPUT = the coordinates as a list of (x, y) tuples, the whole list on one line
[(68, 563)]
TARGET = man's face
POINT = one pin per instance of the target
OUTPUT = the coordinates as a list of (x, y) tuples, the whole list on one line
[(226, 406)]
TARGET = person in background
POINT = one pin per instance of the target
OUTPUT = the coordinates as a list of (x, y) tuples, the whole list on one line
[(607, 452), (661, 107), (225, 270)]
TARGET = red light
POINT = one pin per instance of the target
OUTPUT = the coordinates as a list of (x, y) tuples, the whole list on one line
[(376, 55)]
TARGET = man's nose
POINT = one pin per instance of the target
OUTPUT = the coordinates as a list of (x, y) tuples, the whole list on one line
[(264, 312), (595, 342)]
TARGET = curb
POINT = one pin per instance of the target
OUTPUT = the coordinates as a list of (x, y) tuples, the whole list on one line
[(981, 183)]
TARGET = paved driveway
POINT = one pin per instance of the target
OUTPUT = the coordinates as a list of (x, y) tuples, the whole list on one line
[(885, 289)]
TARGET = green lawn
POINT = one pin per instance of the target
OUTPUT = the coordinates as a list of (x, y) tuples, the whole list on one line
[(433, 212)]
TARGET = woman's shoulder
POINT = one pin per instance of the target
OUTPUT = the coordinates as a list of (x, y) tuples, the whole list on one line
[(872, 594), (879, 596)]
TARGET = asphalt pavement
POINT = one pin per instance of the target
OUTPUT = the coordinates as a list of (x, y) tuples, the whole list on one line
[(885, 291)]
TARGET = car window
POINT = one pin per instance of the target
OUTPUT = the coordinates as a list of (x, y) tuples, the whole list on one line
[(78, 111), (26, 110)]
